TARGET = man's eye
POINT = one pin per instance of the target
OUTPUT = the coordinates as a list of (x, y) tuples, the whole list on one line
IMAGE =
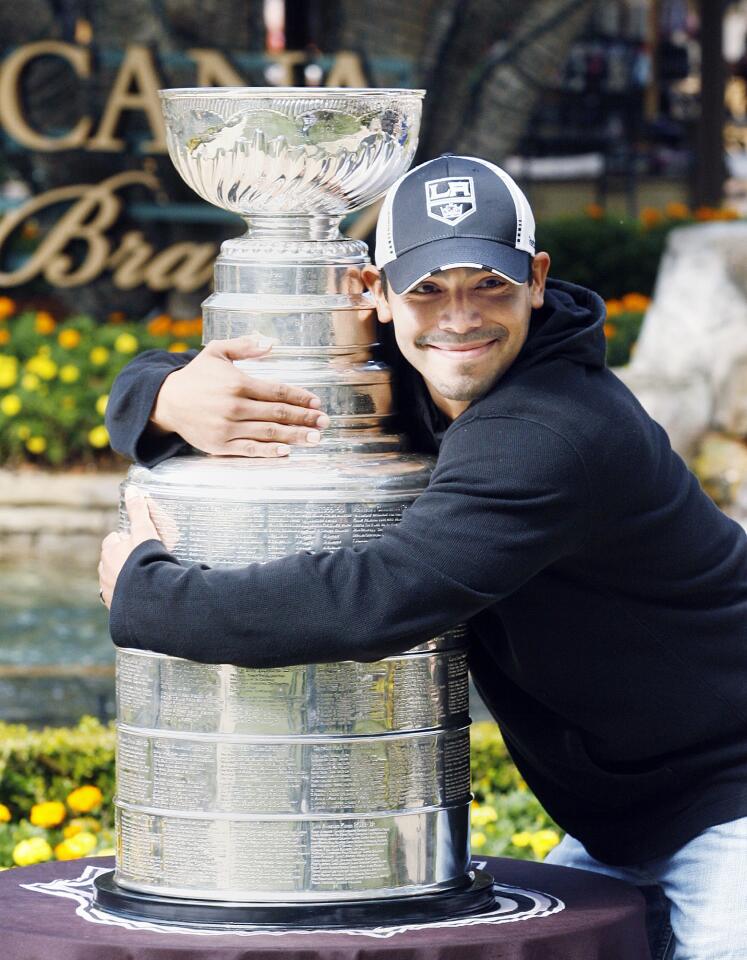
[(426, 288), (494, 283)]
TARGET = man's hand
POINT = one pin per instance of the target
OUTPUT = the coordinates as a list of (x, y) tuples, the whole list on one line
[(117, 547), (218, 409)]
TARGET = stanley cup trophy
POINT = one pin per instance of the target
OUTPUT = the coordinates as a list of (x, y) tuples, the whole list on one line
[(333, 793)]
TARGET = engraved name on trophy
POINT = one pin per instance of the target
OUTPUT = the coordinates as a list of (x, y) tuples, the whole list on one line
[(325, 787)]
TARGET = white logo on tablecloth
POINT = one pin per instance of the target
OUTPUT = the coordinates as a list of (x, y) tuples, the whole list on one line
[(512, 904)]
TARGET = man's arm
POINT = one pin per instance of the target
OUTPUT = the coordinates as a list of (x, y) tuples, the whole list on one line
[(508, 498), (162, 403)]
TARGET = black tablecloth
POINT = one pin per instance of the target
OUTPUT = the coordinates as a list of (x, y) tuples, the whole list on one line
[(45, 914)]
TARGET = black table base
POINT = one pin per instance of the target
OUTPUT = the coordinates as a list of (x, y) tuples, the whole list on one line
[(476, 896)]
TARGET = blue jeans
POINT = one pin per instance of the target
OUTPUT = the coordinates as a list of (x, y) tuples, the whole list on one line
[(703, 884)]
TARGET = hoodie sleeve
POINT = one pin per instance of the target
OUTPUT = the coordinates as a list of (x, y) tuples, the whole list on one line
[(508, 497), (130, 404)]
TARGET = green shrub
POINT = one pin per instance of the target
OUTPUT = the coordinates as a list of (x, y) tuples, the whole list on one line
[(41, 773), (507, 819)]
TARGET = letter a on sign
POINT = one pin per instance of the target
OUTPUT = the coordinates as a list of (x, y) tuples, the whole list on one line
[(450, 199)]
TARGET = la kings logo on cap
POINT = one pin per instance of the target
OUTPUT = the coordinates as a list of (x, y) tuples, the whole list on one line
[(450, 199)]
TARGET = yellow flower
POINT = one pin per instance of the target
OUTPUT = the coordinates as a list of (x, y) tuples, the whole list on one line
[(521, 839), (8, 371), (10, 405), (69, 373), (36, 445), (98, 437), (79, 824), (482, 815), (126, 343), (7, 307), (33, 850), (98, 356), (78, 846), (69, 339), (101, 403), (478, 840), (4, 337), (51, 813), (42, 366), (45, 322), (30, 381), (543, 841), (178, 347), (106, 852), (5, 816), (85, 798)]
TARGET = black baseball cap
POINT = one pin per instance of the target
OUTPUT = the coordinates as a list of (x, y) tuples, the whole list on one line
[(454, 211)]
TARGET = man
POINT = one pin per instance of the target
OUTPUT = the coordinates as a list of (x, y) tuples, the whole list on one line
[(606, 594)]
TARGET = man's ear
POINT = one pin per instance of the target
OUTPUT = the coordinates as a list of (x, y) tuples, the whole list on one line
[(540, 269), (372, 278)]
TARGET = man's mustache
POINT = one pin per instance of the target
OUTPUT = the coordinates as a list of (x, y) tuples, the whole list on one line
[(492, 332)]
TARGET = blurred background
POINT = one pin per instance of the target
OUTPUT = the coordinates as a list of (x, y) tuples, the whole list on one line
[(625, 122)]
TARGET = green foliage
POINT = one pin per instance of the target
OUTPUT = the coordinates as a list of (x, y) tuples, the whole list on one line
[(622, 333), (608, 255), (40, 765), (507, 819)]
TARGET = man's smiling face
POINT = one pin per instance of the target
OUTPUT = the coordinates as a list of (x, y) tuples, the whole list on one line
[(461, 328)]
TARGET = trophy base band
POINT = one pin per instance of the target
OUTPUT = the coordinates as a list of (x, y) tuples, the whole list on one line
[(475, 897)]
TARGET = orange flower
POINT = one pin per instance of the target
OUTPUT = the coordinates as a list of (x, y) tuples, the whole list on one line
[(7, 307), (117, 316), (182, 328), (614, 308), (45, 322), (728, 213), (677, 211), (178, 347), (159, 325), (610, 330), (69, 339), (705, 213), (636, 302), (594, 211), (650, 216), (30, 229), (4, 337)]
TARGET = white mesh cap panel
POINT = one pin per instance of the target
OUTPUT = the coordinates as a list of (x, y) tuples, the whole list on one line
[(525, 226), (385, 251)]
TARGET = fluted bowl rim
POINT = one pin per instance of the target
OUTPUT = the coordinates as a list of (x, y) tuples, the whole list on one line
[(264, 93)]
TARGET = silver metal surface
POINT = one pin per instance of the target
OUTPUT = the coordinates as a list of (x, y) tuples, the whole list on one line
[(322, 781)]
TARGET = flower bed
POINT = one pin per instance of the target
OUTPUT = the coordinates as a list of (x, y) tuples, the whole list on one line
[(56, 788), (55, 379)]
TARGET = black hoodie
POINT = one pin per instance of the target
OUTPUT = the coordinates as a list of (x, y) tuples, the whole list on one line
[(606, 594)]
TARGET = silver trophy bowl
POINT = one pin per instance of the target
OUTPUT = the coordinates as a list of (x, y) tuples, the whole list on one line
[(317, 784)]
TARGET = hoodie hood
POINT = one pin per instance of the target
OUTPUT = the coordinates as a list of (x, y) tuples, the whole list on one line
[(569, 326)]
